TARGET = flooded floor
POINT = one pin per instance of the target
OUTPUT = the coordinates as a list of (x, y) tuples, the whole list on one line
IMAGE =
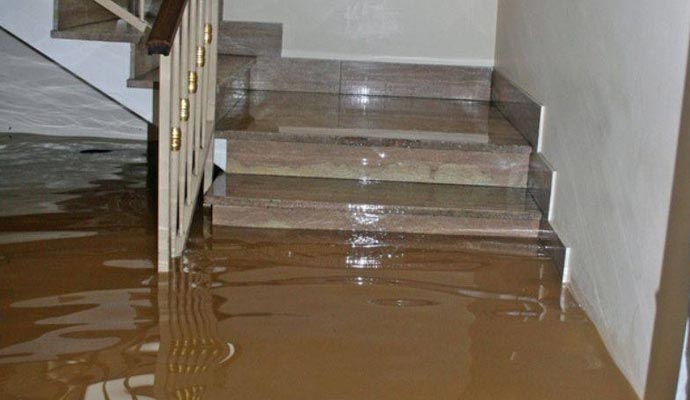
[(263, 314)]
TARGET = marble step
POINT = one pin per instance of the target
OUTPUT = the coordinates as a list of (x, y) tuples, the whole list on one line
[(259, 201), (348, 249), (114, 30), (229, 68), (373, 137)]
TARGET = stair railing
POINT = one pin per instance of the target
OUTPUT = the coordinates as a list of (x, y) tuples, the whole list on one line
[(138, 22), (183, 36)]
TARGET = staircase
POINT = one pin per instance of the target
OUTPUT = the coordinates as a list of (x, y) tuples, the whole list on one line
[(300, 160), (301, 157), (86, 21)]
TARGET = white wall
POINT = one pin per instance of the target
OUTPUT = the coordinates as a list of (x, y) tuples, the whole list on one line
[(38, 96), (611, 74), (460, 32), (103, 65)]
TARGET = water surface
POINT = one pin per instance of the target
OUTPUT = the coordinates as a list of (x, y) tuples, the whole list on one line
[(262, 314)]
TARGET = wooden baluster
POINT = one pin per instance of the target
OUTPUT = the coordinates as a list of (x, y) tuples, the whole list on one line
[(203, 20), (207, 6), (176, 217), (203, 17), (142, 10), (182, 79), (211, 87), (193, 98), (164, 175), (199, 61)]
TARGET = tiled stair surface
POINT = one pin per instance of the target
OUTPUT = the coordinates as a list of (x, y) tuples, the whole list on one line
[(229, 67), (385, 258), (373, 137), (356, 249), (339, 204), (361, 165), (114, 30)]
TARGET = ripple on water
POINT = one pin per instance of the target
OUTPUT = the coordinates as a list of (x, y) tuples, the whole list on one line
[(404, 302)]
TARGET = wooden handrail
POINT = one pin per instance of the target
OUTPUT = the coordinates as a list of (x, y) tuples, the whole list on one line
[(166, 26)]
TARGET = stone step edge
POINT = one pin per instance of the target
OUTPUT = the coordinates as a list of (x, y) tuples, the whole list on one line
[(361, 139)]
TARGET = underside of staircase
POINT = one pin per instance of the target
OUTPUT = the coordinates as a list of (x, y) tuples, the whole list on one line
[(309, 159)]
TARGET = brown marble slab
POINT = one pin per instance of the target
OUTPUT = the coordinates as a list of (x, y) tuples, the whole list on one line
[(371, 120), (397, 197), (250, 38), (140, 60), (540, 181), (409, 80), (294, 218), (378, 163), (370, 137), (371, 78), (331, 204), (147, 80), (230, 68), (106, 31), (269, 111), (552, 246), (518, 108), (341, 244), (72, 13), (294, 74), (525, 114)]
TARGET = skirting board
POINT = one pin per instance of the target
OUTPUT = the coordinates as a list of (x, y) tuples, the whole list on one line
[(370, 78), (526, 116), (277, 73), (250, 38)]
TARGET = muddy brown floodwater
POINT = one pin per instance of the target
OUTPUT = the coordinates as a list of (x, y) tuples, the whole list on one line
[(263, 314)]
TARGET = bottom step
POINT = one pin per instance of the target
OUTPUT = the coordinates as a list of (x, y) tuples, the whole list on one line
[(332, 204), (355, 249)]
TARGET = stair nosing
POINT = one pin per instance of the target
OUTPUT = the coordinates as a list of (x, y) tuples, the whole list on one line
[(349, 140), (373, 209)]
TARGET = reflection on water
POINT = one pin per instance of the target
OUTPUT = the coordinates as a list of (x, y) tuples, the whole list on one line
[(257, 314)]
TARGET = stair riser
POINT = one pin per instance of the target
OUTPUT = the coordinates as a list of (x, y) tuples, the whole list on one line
[(361, 220), (343, 244), (378, 163)]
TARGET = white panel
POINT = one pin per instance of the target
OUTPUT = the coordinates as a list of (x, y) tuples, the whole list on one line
[(220, 153)]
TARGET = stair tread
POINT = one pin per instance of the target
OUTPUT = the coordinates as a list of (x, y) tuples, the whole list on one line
[(369, 120), (108, 31), (148, 80), (229, 66), (367, 249), (373, 197)]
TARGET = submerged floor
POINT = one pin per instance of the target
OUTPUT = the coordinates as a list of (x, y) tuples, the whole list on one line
[(254, 314)]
